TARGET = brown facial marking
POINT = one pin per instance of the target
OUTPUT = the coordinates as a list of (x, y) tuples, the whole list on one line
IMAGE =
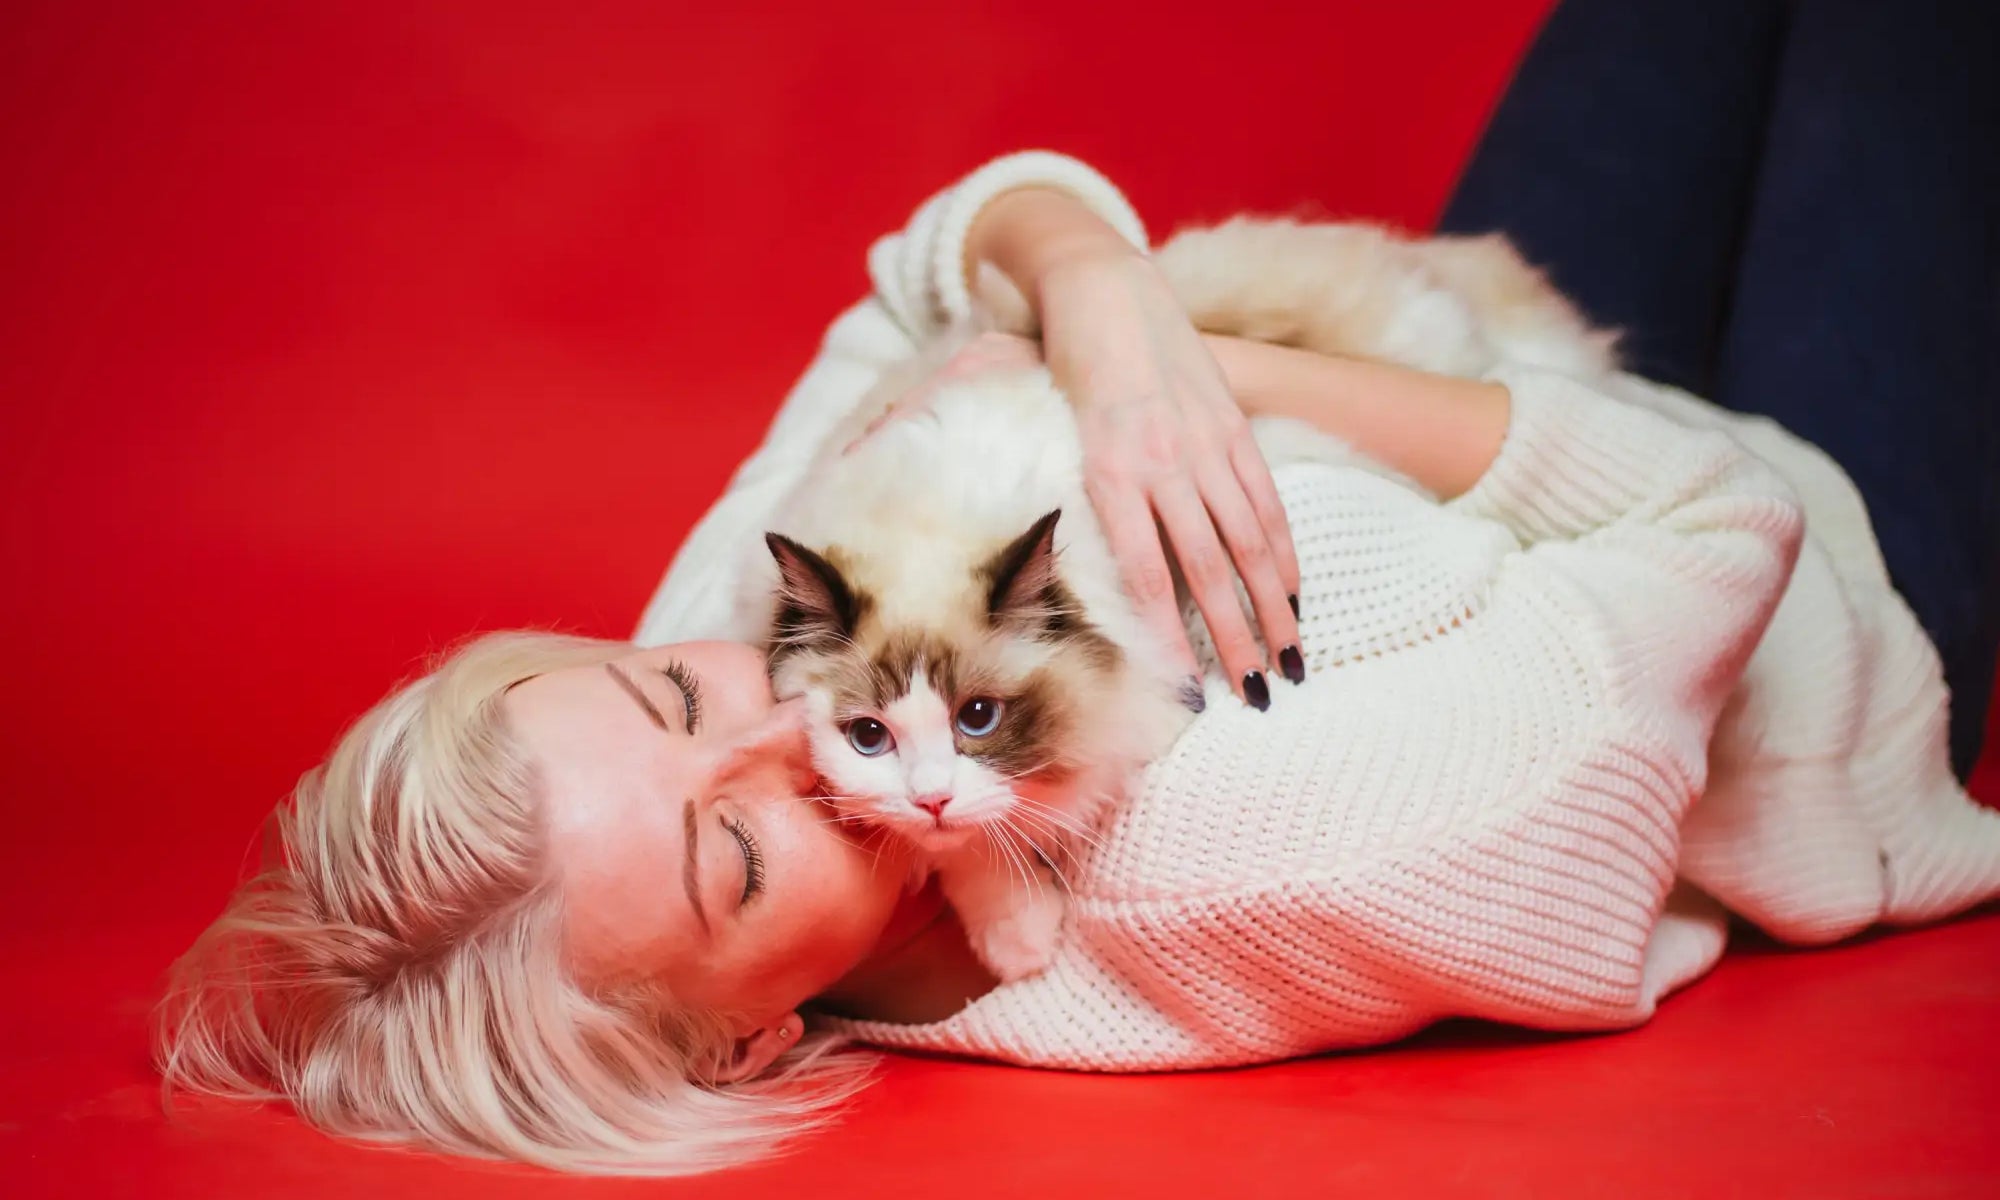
[(1019, 576), (840, 645), (817, 606), (1027, 742)]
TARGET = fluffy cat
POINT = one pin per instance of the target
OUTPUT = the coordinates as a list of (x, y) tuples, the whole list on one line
[(945, 604), (976, 682)]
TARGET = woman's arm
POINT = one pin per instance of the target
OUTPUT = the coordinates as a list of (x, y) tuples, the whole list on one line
[(1682, 537), (1440, 431), (1031, 233), (1165, 445)]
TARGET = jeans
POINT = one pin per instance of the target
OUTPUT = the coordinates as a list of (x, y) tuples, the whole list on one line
[(1793, 209)]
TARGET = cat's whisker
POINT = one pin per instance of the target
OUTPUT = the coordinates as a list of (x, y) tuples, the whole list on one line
[(1047, 859), (996, 852), (1021, 861), (877, 840), (1052, 837), (1040, 826), (1027, 867), (1028, 851), (996, 837), (1066, 823), (1061, 817), (1024, 772)]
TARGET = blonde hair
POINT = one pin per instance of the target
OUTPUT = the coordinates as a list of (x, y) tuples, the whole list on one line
[(396, 970)]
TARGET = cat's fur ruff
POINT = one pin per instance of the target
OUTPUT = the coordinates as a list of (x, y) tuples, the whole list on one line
[(918, 565)]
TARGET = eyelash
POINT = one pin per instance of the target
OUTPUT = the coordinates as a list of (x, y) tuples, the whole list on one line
[(753, 858), (690, 687)]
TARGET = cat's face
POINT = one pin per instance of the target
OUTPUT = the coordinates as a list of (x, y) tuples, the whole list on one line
[(971, 725)]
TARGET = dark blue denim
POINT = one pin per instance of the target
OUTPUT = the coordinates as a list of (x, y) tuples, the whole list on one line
[(1794, 209)]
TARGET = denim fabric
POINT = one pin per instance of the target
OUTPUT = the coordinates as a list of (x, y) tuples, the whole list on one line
[(1793, 209)]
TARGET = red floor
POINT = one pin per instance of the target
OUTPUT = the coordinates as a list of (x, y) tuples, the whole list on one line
[(329, 333)]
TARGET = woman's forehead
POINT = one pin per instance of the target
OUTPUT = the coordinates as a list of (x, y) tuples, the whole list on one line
[(598, 753)]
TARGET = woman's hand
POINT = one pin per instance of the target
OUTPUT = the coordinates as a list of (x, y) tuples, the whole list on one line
[(1166, 448), (1165, 445)]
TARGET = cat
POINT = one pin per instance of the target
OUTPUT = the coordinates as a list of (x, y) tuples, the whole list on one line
[(975, 680), (945, 605)]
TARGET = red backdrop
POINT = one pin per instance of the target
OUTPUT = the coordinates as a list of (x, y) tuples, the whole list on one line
[(332, 332)]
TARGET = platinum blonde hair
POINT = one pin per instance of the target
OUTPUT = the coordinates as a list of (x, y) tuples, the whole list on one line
[(396, 971)]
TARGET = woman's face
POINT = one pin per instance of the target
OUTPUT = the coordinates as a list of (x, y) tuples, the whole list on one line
[(681, 822)]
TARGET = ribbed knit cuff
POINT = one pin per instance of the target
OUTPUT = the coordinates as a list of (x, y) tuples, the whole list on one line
[(945, 254), (1575, 460)]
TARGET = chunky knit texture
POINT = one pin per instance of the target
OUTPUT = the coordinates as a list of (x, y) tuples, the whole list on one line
[(1483, 800)]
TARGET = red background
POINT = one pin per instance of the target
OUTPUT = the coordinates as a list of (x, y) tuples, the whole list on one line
[(332, 332)]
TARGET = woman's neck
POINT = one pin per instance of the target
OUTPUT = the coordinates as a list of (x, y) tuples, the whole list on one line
[(921, 969)]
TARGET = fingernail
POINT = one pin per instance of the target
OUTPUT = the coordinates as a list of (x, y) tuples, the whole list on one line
[(1256, 691), (1191, 695), (1290, 662), (1293, 599)]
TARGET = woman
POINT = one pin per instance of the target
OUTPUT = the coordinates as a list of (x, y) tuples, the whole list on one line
[(514, 912)]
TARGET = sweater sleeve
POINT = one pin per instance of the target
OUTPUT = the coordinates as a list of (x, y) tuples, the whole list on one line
[(1672, 544), (920, 273)]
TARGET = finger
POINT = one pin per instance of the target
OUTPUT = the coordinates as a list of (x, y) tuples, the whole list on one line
[(1262, 492), (1243, 536), (1212, 581), (1127, 521)]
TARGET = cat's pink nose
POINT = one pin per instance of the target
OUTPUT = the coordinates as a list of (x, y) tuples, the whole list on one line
[(933, 804)]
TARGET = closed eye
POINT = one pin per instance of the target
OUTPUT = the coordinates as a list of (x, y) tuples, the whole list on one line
[(753, 858), (689, 686)]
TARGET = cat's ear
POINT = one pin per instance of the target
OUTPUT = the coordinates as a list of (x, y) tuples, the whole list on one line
[(815, 602), (1023, 574)]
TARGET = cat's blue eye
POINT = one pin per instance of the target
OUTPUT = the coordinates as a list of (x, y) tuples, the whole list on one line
[(978, 716), (869, 737)]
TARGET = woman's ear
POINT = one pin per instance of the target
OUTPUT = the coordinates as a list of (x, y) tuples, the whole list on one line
[(760, 1048)]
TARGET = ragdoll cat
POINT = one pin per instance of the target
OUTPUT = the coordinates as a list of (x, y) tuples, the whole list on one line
[(976, 682), (944, 601)]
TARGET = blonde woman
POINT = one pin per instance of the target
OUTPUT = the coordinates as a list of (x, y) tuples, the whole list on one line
[(574, 902)]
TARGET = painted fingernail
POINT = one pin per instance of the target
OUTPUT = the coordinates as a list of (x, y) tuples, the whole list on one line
[(1293, 599), (1256, 691), (1191, 695), (1292, 664)]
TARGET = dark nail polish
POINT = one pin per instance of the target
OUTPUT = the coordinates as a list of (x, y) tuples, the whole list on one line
[(1292, 664), (1293, 600), (1191, 695), (1256, 691)]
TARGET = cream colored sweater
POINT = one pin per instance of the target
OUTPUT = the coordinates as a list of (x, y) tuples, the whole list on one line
[(1650, 659)]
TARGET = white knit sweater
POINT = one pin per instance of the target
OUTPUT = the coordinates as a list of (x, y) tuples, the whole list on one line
[(1482, 799)]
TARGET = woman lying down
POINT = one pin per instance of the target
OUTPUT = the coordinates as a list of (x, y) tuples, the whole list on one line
[(1309, 635)]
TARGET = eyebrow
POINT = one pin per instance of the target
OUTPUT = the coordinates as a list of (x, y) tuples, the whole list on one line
[(693, 830), (638, 697)]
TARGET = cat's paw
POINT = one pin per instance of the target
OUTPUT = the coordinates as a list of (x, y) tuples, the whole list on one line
[(1023, 941)]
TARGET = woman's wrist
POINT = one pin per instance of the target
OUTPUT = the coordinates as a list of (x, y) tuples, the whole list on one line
[(1033, 234), (1246, 365)]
